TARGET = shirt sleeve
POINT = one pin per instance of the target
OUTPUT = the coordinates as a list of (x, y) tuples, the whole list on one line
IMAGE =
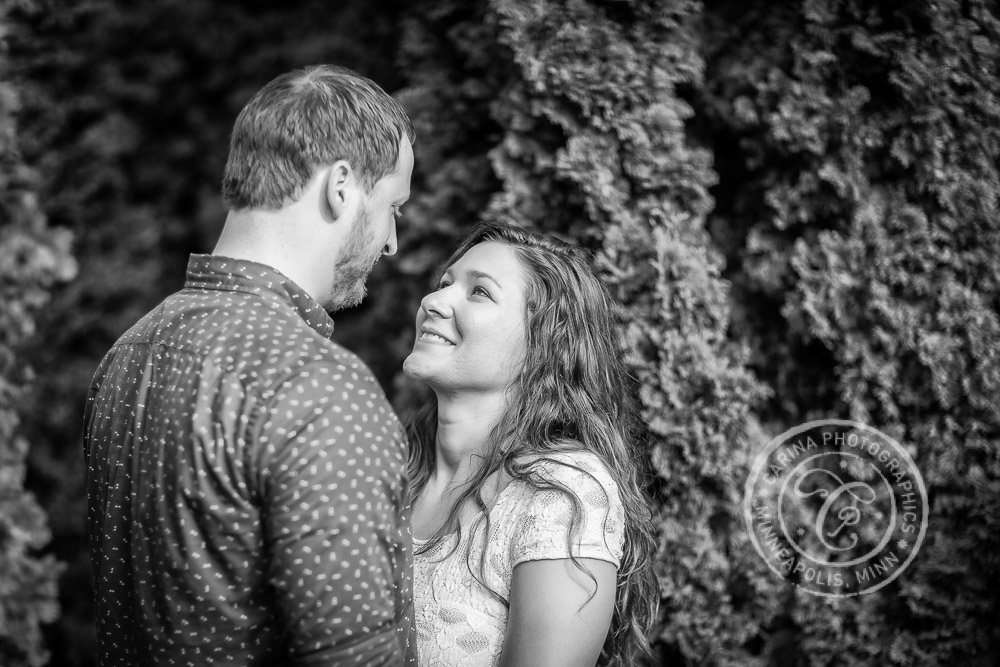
[(548, 514), (336, 519)]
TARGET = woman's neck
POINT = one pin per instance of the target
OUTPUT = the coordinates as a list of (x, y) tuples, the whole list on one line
[(463, 432)]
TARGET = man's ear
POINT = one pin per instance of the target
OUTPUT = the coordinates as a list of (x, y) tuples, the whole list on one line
[(341, 188)]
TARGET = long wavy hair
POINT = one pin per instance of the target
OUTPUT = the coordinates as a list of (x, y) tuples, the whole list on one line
[(572, 394)]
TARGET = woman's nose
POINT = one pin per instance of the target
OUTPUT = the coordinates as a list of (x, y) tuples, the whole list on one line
[(437, 303)]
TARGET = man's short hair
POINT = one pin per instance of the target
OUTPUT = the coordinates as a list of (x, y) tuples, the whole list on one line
[(303, 120)]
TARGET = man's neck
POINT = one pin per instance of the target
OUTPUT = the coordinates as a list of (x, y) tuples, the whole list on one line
[(269, 238)]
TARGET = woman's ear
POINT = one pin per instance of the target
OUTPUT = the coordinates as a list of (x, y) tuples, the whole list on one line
[(341, 186)]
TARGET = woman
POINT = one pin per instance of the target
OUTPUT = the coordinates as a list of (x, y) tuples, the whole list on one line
[(532, 539)]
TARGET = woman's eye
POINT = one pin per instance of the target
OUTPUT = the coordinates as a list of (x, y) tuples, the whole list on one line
[(441, 285), (481, 292)]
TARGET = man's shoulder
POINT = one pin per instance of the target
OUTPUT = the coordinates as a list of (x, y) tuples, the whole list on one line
[(263, 341), (234, 328), (339, 369), (336, 393), (143, 329)]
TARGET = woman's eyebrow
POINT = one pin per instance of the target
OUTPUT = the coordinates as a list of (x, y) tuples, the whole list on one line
[(476, 274)]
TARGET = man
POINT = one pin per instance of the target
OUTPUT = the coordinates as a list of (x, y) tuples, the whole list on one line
[(247, 496)]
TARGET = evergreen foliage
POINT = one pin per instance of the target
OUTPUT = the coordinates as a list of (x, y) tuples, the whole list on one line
[(33, 257), (804, 193), (596, 149), (860, 215)]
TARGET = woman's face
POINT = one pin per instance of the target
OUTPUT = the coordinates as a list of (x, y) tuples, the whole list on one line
[(471, 331)]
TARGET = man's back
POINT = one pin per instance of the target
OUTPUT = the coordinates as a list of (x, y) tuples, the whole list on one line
[(246, 483)]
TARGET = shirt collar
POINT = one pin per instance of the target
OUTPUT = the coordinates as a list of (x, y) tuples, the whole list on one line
[(214, 272)]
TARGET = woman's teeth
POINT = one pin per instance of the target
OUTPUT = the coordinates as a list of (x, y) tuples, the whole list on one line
[(427, 335)]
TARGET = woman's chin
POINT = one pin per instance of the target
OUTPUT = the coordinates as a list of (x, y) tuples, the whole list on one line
[(414, 367)]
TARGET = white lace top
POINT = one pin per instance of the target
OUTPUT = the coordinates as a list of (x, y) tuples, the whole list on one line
[(458, 621)]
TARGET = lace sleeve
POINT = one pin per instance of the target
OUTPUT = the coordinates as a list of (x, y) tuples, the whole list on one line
[(547, 515)]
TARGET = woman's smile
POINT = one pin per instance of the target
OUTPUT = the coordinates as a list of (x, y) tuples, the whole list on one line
[(429, 335), (470, 330)]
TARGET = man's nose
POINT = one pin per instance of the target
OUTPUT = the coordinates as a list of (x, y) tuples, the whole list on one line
[(390, 244)]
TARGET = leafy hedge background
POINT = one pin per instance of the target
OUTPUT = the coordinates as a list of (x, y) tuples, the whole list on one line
[(796, 204)]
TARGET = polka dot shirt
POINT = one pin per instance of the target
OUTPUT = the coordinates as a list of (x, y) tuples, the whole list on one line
[(247, 497)]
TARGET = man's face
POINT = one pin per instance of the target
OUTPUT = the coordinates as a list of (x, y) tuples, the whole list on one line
[(373, 233)]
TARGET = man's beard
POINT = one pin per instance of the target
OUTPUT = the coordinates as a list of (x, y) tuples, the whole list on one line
[(356, 261)]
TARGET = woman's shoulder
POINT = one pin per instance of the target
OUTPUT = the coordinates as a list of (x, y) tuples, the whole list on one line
[(551, 474), (572, 464), (561, 490)]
